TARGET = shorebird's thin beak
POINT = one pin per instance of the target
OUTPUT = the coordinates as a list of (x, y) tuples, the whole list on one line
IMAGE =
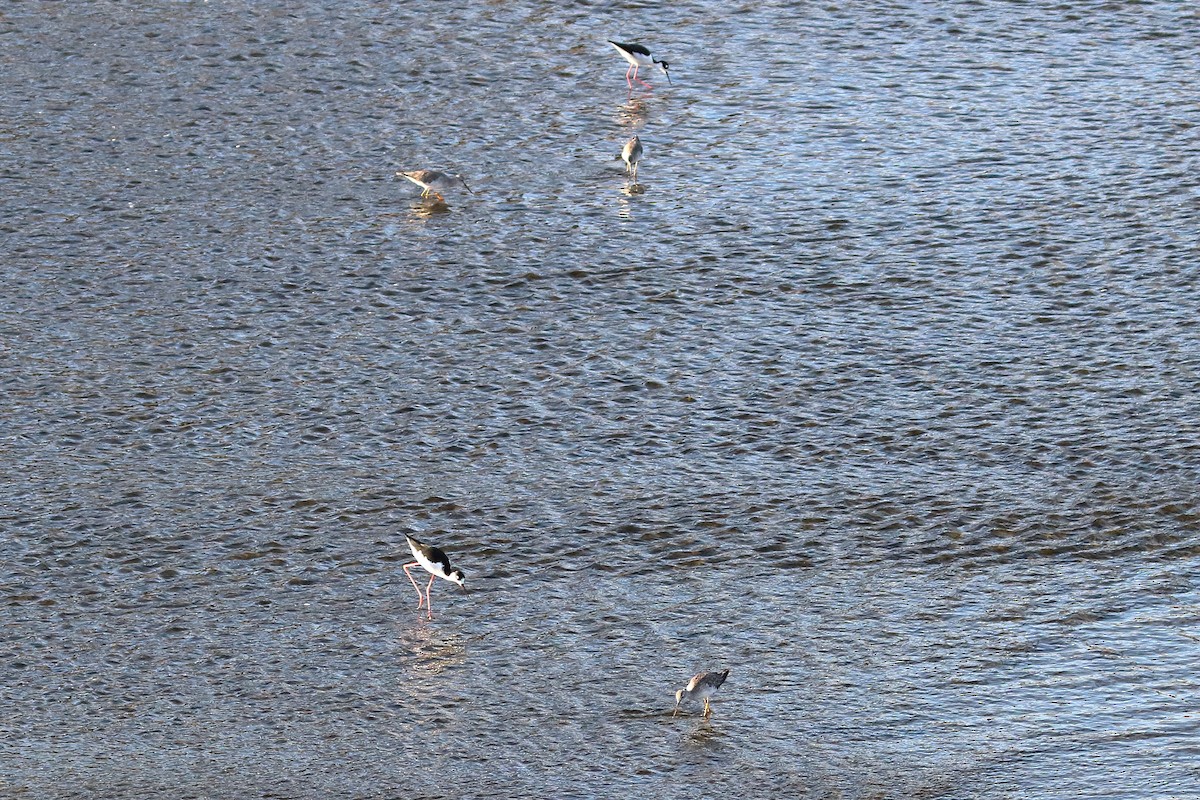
[(464, 183), (668, 76)]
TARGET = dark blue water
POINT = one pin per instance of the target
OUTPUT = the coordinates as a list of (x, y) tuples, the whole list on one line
[(879, 389)]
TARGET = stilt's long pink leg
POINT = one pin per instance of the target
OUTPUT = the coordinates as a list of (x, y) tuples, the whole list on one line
[(629, 82), (420, 597), (428, 602), (639, 80)]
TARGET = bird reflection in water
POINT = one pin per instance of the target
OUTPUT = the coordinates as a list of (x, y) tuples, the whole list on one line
[(632, 113), (428, 207), (432, 651)]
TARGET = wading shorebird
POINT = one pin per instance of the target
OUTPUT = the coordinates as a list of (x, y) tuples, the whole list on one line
[(701, 687), (631, 155), (434, 182), (433, 561), (639, 56)]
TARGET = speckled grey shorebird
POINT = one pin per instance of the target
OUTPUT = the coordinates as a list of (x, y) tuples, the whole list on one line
[(631, 154), (701, 687), (435, 182), (435, 562)]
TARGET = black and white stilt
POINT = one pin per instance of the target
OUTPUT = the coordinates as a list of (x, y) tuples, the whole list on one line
[(639, 56), (435, 562)]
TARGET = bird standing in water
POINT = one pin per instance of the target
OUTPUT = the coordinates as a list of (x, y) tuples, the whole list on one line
[(639, 56), (435, 562), (434, 182), (701, 687), (631, 155)]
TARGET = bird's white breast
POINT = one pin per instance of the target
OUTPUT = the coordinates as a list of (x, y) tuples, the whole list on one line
[(429, 566), (417, 181), (635, 58)]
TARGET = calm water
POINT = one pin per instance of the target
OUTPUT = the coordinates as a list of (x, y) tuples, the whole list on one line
[(882, 390)]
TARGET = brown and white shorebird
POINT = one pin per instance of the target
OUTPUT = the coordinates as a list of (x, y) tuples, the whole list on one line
[(701, 687), (433, 181), (631, 154), (433, 561)]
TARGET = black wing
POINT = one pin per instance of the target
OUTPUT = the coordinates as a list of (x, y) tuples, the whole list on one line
[(632, 48), (430, 552), (438, 557)]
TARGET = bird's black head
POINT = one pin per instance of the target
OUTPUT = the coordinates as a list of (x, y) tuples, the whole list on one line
[(457, 576), (664, 66)]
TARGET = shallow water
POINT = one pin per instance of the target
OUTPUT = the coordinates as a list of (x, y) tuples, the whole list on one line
[(880, 390)]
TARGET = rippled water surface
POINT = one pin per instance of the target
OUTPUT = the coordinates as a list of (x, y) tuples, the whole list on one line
[(881, 389)]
